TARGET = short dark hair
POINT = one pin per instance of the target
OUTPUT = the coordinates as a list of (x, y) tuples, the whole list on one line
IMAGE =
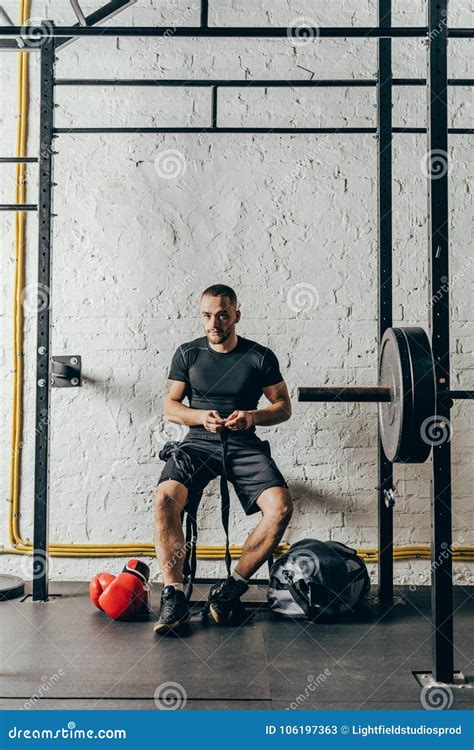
[(221, 290)]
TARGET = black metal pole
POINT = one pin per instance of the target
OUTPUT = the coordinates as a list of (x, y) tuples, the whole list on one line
[(261, 32), (251, 83), (214, 108), (259, 131), (18, 160), (256, 130), (438, 258), (40, 536), (460, 394), (204, 13), (373, 394), (385, 293), (18, 207), (29, 33)]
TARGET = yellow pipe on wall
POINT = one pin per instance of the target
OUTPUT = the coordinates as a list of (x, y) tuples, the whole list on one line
[(20, 235), (465, 554)]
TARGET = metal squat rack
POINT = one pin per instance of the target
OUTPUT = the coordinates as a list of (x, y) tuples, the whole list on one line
[(435, 34)]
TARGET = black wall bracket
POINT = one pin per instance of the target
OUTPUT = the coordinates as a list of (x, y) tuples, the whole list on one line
[(66, 372)]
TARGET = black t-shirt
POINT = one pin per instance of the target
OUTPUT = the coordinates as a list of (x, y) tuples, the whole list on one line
[(224, 381)]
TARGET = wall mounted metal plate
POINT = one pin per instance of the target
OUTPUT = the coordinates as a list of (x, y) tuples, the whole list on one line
[(66, 371)]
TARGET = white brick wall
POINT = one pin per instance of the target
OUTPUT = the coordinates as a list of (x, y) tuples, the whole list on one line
[(133, 251)]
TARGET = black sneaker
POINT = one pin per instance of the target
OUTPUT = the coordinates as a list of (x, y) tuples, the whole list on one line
[(174, 610), (224, 603)]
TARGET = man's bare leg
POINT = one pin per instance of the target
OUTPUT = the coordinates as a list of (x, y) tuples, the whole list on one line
[(277, 509), (170, 499)]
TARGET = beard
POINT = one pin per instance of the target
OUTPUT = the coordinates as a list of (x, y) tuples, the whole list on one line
[(219, 338)]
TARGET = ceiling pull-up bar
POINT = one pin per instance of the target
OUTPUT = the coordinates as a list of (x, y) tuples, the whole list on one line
[(263, 32), (275, 131), (14, 37), (256, 83)]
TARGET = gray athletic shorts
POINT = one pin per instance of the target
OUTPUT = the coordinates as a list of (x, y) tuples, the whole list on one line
[(250, 467)]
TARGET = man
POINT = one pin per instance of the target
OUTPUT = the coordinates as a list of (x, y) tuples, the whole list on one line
[(223, 376)]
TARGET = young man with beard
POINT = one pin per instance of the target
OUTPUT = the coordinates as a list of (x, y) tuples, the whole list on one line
[(223, 375)]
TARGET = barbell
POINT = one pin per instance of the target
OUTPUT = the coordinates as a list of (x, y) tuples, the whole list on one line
[(406, 393)]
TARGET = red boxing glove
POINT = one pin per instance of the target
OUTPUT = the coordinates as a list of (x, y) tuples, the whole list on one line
[(98, 585), (128, 594)]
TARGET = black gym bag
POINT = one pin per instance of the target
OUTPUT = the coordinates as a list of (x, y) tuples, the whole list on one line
[(317, 580)]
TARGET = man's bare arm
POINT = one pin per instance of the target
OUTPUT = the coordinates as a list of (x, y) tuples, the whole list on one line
[(280, 409), (175, 411)]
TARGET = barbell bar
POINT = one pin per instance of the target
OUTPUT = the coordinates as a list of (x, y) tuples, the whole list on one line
[(406, 394)]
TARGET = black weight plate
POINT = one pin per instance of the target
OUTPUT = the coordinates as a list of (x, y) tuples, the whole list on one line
[(11, 587), (406, 367), (394, 374), (419, 447)]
